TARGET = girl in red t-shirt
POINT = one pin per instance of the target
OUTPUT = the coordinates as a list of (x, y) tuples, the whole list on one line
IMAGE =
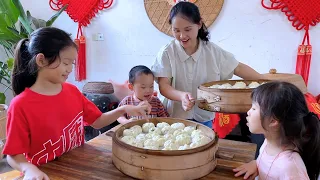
[(46, 117)]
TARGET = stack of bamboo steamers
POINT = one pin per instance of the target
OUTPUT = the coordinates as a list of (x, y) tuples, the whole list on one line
[(189, 163)]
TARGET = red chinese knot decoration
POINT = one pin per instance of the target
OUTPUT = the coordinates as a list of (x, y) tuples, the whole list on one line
[(81, 11), (302, 14)]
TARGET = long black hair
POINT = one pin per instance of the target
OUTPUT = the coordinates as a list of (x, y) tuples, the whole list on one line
[(191, 12), (48, 41), (285, 103)]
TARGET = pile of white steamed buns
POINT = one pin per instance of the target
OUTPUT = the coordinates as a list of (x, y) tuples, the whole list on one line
[(163, 136)]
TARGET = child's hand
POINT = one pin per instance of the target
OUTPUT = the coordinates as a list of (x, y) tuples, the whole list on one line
[(142, 109), (249, 170), (187, 101), (132, 119), (33, 173)]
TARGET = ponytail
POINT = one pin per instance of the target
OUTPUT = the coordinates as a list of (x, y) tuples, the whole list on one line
[(309, 145), (24, 70), (203, 33)]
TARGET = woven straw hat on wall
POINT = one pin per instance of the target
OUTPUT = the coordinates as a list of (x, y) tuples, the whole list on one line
[(158, 12)]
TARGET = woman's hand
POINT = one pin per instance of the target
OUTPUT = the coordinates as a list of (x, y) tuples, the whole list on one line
[(187, 101)]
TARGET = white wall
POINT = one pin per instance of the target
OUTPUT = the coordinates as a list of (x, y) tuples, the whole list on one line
[(258, 37)]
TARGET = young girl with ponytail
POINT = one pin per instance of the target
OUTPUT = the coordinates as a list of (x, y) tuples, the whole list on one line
[(46, 117)]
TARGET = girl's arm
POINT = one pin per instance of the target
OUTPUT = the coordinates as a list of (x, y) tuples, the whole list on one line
[(29, 170), (246, 72), (111, 116)]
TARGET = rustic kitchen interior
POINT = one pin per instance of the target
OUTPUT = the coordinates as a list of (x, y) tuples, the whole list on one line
[(279, 40)]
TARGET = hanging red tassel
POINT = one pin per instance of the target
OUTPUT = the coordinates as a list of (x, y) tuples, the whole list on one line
[(80, 67), (82, 59), (303, 14), (300, 59), (304, 58), (81, 11), (77, 42), (307, 63)]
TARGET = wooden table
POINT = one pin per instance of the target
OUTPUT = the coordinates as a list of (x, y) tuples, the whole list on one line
[(93, 161)]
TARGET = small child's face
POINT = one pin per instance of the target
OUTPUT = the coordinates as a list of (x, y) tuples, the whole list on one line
[(143, 86), (254, 119)]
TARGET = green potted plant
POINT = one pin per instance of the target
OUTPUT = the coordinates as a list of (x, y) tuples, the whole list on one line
[(15, 24)]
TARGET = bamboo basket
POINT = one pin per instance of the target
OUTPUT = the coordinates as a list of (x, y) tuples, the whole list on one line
[(158, 164), (226, 100)]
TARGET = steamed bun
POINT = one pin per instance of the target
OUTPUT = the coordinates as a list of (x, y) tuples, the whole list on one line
[(155, 130), (171, 145), (253, 85), (184, 147), (183, 139), (239, 85), (189, 129), (162, 125), (137, 129), (151, 142), (167, 130), (147, 126), (178, 126), (128, 140), (201, 140)]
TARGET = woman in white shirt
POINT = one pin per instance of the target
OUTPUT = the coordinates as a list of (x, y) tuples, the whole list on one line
[(191, 60)]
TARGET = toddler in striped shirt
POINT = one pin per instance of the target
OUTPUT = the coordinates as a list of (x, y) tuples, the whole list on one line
[(141, 82)]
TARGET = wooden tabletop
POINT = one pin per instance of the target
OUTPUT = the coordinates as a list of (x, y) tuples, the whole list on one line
[(93, 161)]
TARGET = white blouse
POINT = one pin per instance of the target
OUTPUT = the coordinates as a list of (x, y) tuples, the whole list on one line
[(208, 63)]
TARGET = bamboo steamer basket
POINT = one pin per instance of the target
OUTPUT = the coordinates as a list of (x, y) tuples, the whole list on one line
[(294, 79), (158, 164), (3, 122), (226, 100)]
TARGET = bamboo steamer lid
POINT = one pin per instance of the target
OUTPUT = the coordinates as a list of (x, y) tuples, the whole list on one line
[(158, 12), (295, 79)]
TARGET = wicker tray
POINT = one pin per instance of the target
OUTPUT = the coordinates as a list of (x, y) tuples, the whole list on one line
[(158, 12)]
